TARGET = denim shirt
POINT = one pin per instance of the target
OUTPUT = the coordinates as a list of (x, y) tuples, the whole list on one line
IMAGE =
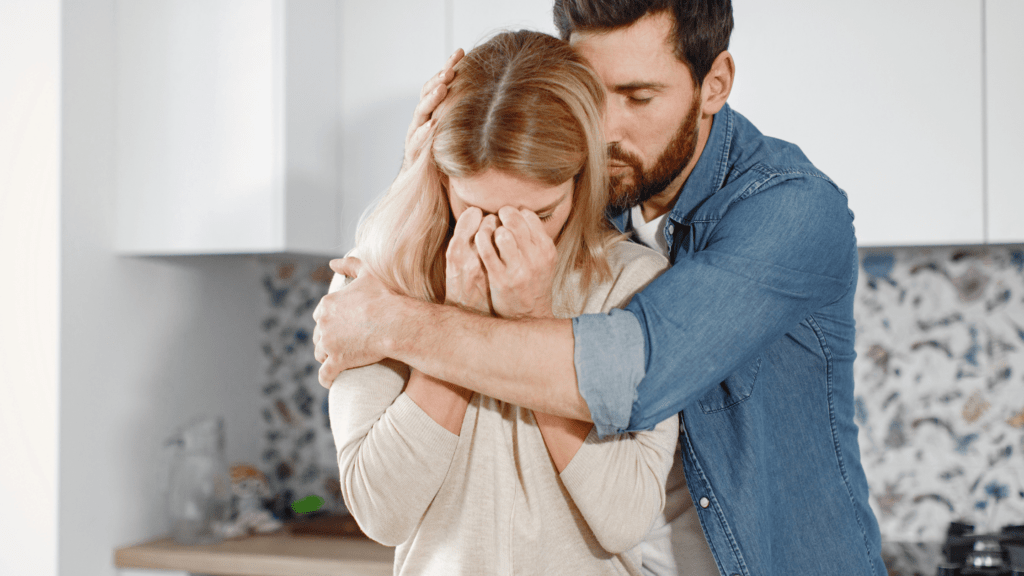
[(749, 336)]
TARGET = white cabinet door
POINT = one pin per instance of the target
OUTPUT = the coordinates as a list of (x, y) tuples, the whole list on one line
[(883, 96), (476, 20), (1005, 95), (226, 126), (390, 48)]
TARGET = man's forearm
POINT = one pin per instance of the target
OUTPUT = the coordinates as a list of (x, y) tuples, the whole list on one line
[(527, 362)]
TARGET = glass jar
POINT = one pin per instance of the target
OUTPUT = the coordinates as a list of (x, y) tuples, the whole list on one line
[(199, 489)]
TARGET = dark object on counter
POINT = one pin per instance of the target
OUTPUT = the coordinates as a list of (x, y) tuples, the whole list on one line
[(325, 524), (281, 505), (970, 554)]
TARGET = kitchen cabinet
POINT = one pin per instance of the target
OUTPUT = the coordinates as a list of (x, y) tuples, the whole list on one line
[(226, 126), (270, 126), (1004, 72), (884, 97)]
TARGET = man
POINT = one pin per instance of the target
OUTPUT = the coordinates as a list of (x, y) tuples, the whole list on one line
[(749, 336)]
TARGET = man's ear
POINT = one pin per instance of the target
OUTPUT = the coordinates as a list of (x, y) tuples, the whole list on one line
[(718, 83)]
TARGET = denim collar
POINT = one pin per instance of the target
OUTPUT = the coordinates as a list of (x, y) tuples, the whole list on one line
[(707, 177)]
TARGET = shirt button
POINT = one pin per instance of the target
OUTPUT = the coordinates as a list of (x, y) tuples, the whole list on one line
[(704, 502), (671, 228)]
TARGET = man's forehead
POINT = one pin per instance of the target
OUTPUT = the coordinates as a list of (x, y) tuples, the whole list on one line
[(653, 31), (642, 52)]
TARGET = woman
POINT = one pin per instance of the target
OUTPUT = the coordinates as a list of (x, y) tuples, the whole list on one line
[(513, 176)]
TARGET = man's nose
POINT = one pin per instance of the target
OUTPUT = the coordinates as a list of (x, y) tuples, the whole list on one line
[(614, 124)]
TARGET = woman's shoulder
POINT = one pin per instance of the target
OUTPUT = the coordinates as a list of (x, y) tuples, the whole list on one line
[(626, 257), (633, 266)]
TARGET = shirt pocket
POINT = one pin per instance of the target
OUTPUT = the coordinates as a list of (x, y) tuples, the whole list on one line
[(733, 390)]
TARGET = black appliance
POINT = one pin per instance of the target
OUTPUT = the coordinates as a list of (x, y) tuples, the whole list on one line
[(970, 554)]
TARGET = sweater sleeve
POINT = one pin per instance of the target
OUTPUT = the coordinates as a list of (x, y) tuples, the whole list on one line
[(618, 483), (392, 456)]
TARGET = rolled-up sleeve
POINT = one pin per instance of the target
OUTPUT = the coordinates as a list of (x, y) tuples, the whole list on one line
[(609, 358)]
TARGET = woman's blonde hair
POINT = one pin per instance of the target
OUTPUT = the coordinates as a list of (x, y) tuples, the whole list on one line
[(525, 104)]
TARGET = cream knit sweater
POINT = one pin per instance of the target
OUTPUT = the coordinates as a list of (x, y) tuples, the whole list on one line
[(490, 501)]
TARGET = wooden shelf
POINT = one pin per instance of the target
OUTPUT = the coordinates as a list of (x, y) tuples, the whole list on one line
[(277, 554)]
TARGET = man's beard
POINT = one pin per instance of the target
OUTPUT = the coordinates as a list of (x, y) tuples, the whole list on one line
[(647, 184)]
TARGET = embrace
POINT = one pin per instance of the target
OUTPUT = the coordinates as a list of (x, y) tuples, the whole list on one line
[(600, 324)]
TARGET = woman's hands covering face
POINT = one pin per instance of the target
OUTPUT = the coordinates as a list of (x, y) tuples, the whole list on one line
[(503, 265), (519, 258), (465, 277)]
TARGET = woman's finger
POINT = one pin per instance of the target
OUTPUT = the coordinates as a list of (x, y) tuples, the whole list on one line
[(466, 225), (485, 234), (489, 256), (514, 221), (485, 245), (534, 223), (508, 246), (460, 251)]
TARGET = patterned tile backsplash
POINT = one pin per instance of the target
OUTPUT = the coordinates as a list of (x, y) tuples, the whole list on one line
[(939, 386), (298, 449), (940, 393)]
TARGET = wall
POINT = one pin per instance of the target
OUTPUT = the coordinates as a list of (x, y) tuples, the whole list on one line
[(145, 343), (102, 356), (29, 251)]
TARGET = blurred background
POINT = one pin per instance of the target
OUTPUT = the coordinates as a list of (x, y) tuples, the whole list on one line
[(175, 174)]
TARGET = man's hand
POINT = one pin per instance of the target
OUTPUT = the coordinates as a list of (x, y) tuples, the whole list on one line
[(465, 277), (521, 271), (351, 322), (431, 95)]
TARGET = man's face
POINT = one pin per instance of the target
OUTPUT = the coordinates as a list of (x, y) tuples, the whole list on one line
[(652, 110)]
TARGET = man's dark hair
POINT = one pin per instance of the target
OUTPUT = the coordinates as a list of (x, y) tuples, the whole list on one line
[(702, 27)]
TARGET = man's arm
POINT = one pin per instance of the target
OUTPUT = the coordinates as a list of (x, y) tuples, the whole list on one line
[(526, 362), (775, 258)]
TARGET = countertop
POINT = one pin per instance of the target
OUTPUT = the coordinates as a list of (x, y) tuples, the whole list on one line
[(912, 558), (278, 554), (285, 553)]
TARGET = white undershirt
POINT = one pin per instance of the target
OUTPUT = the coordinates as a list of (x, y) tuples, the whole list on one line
[(651, 234)]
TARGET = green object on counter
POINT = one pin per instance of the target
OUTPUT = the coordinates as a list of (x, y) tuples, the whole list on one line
[(308, 504)]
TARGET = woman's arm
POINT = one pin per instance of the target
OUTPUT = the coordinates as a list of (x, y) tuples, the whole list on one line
[(562, 436), (618, 483), (392, 455), (445, 403)]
